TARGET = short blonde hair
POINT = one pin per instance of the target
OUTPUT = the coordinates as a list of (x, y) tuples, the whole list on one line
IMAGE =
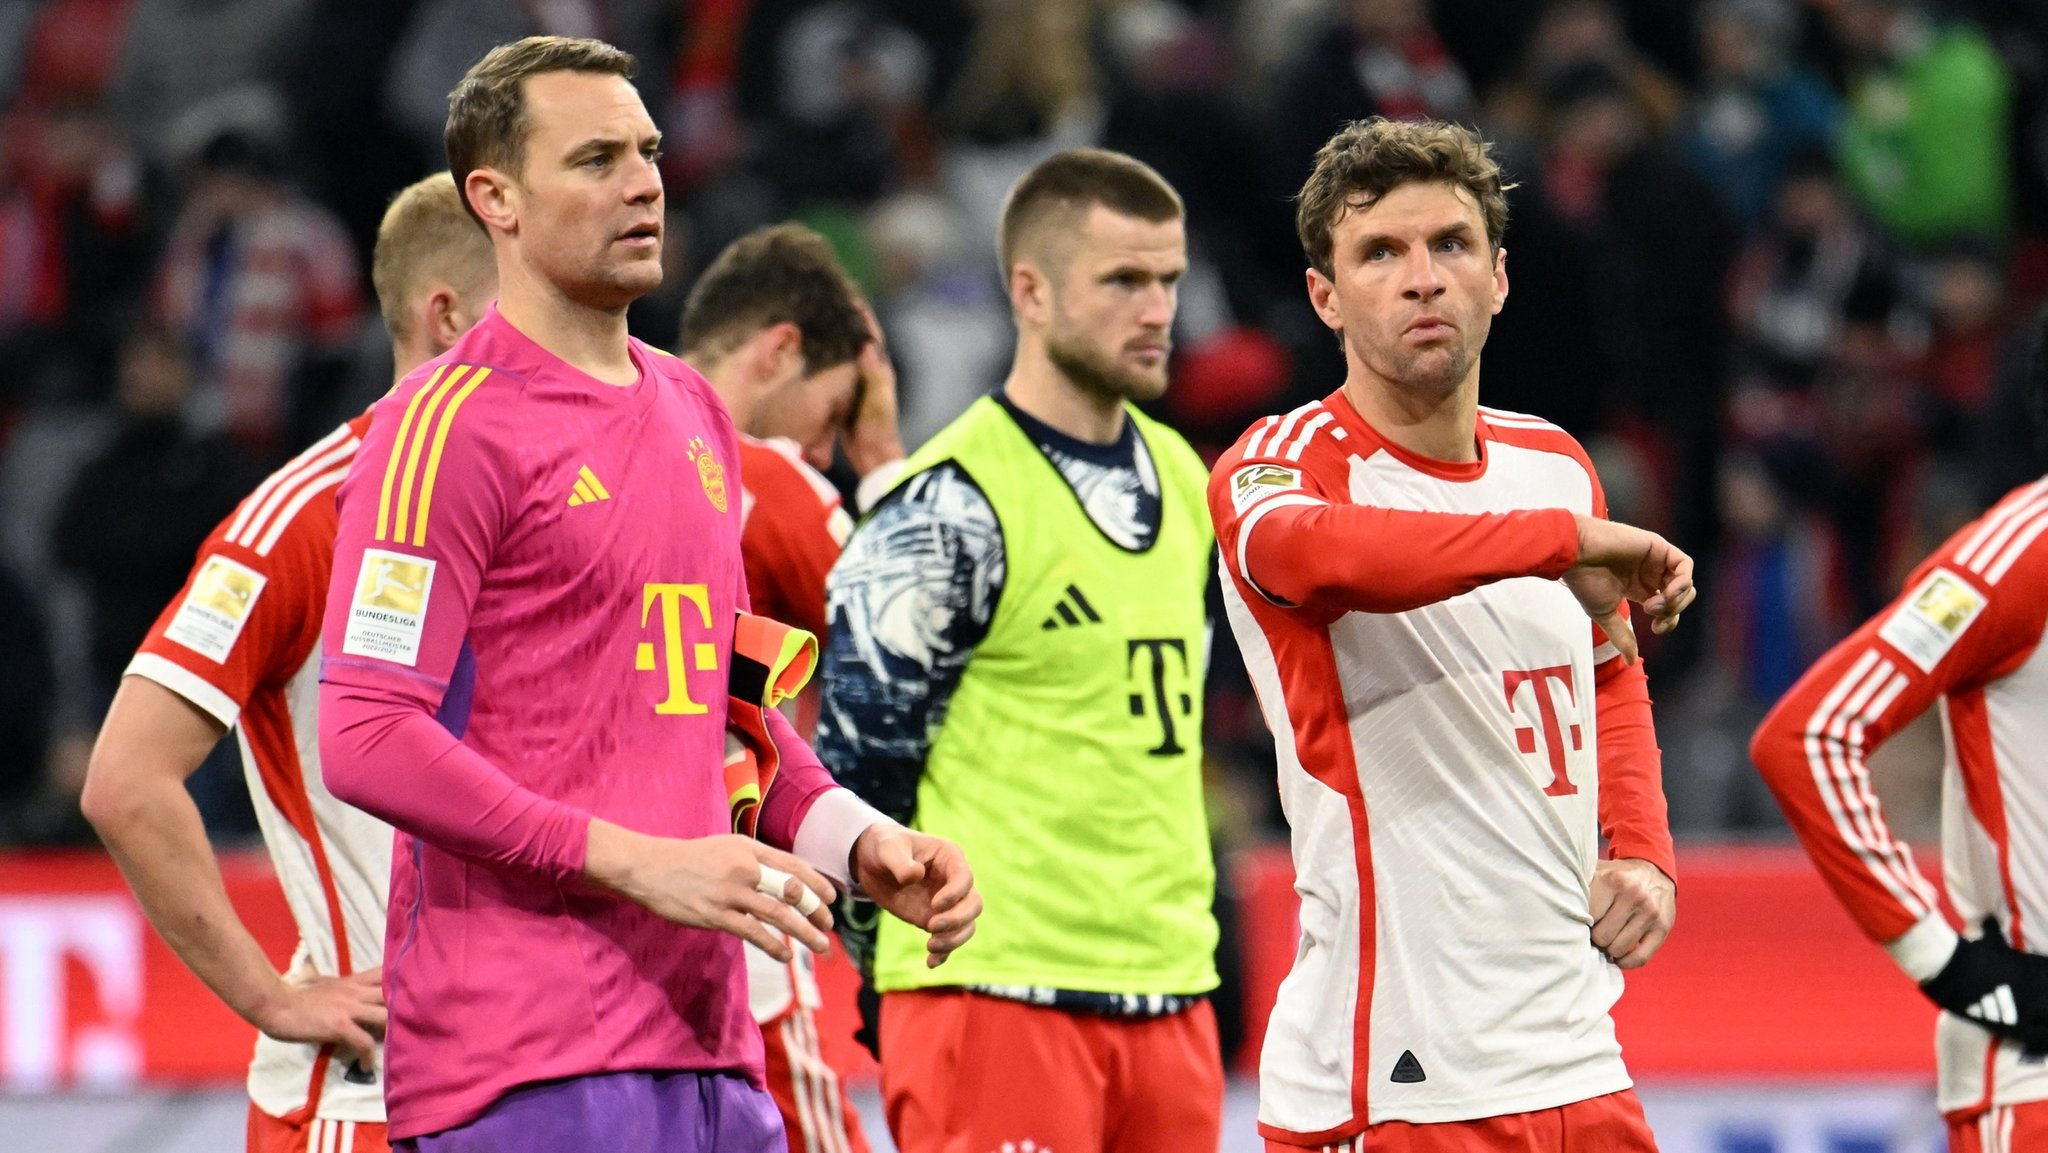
[(1369, 158), (426, 235)]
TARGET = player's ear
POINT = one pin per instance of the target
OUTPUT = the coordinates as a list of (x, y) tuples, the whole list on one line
[(778, 352), (1500, 279), (443, 318), (1322, 296), (494, 197), (1030, 294)]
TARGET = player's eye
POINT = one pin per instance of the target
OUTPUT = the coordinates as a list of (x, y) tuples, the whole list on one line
[(1378, 254), (1450, 244), (600, 160)]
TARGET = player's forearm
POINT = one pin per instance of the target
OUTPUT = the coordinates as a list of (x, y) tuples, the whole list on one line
[(1633, 813), (155, 834), (1357, 558), (385, 755), (789, 805)]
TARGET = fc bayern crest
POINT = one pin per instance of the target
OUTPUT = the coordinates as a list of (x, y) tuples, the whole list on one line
[(709, 471)]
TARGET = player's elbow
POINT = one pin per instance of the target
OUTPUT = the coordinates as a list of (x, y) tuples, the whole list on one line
[(1773, 748), (111, 804)]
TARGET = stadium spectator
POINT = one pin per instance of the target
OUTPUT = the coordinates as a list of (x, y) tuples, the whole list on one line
[(27, 694), (1377, 58), (188, 70), (71, 231), (1757, 108), (262, 285), (136, 510), (1926, 145), (1816, 267)]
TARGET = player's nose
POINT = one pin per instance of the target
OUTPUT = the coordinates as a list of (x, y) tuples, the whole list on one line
[(643, 185)]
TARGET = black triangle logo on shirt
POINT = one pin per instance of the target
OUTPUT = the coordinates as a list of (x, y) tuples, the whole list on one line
[(1407, 1071)]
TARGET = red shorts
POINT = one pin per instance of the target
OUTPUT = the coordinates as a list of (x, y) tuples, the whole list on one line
[(815, 1111), (269, 1134), (1610, 1124), (965, 1073), (2007, 1130)]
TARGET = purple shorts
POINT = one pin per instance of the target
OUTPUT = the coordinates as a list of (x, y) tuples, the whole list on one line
[(669, 1112)]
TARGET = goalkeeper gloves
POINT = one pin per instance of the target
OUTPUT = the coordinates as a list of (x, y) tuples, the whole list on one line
[(1989, 983)]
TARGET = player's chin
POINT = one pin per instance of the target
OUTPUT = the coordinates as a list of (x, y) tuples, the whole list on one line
[(1146, 384)]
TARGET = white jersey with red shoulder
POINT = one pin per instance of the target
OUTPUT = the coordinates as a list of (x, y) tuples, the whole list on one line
[(1441, 770), (242, 642), (1965, 636)]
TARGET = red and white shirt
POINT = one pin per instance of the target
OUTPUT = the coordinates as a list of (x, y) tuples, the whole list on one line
[(1454, 738), (242, 642), (1965, 636), (791, 530)]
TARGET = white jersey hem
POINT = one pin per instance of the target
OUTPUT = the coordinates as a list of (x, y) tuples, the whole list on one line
[(1480, 1108)]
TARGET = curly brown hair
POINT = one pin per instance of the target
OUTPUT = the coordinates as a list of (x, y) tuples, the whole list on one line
[(1367, 159), (487, 125)]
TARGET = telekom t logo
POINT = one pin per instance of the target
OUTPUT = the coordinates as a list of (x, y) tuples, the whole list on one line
[(40, 938), (702, 657), (1539, 683)]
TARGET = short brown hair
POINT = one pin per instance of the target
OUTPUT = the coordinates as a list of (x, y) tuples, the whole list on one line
[(785, 273), (487, 110), (1367, 159), (1069, 183), (427, 233)]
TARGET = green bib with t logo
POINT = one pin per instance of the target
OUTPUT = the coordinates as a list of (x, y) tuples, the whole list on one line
[(1069, 764)]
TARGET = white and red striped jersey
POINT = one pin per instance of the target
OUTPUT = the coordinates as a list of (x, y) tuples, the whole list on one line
[(1451, 748), (1966, 636), (242, 642)]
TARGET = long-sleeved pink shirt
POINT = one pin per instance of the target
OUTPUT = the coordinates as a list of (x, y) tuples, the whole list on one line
[(530, 624)]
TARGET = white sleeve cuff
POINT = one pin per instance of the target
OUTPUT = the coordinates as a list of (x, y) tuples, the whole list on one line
[(1923, 951), (825, 838), (876, 484), (188, 684)]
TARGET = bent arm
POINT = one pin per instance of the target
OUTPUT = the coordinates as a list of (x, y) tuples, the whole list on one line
[(1357, 558), (135, 796)]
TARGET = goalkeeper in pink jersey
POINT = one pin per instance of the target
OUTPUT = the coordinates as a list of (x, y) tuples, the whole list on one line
[(529, 654)]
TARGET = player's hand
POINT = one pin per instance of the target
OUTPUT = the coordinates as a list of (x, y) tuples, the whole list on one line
[(346, 1012), (923, 880), (1997, 987), (1634, 905), (713, 883), (1618, 563), (873, 436)]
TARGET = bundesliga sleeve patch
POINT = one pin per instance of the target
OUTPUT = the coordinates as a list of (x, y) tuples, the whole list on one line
[(1933, 618), (388, 614), (1254, 483), (211, 619)]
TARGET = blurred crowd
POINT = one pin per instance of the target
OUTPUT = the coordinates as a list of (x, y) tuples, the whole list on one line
[(1772, 260)]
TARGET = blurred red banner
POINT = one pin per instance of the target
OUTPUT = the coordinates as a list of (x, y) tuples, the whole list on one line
[(1765, 978)]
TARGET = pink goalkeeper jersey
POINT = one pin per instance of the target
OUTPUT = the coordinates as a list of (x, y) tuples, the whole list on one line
[(530, 620)]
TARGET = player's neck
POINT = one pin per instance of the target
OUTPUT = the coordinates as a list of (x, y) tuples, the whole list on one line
[(591, 340), (1439, 426), (1045, 393), (741, 401)]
